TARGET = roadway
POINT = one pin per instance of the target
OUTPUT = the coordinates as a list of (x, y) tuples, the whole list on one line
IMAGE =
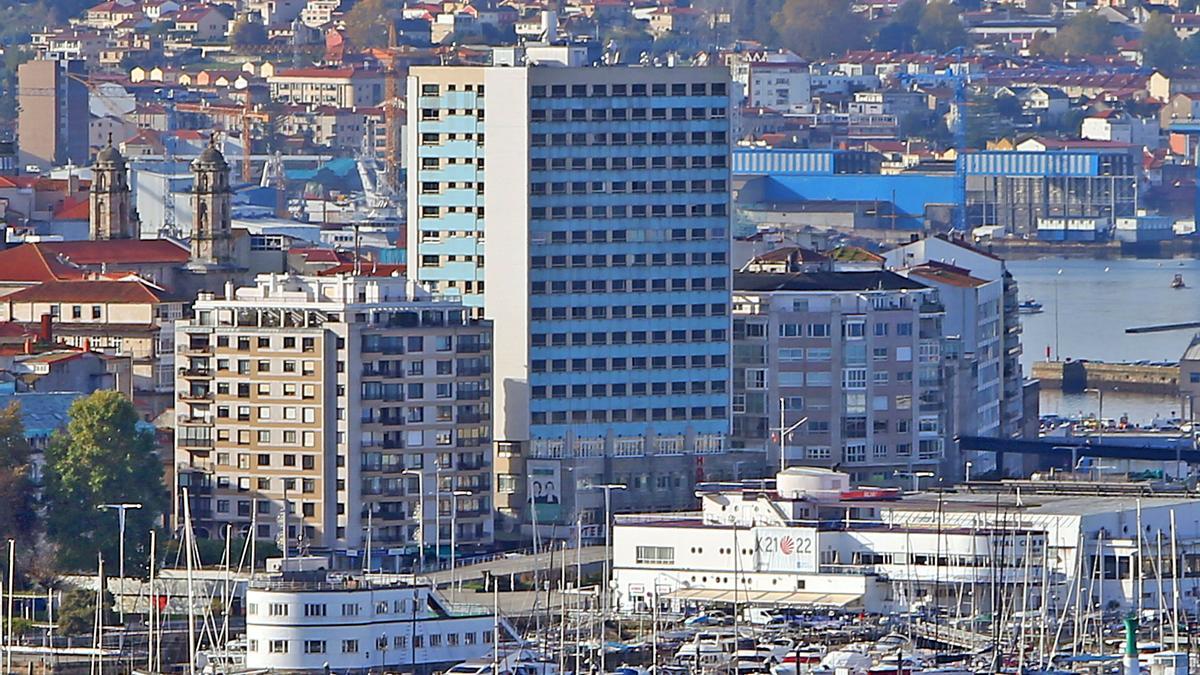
[(590, 556)]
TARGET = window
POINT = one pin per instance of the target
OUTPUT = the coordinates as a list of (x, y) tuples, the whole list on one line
[(278, 646), (904, 328), (818, 330), (350, 646), (819, 379), (756, 378), (349, 609), (314, 609), (791, 355), (655, 555), (277, 609), (854, 378), (314, 646), (856, 453)]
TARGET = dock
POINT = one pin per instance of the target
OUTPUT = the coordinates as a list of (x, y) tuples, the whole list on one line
[(1076, 376)]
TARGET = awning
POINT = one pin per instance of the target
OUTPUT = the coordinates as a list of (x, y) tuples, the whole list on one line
[(785, 598)]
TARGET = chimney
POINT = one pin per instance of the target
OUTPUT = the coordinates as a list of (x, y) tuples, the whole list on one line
[(46, 333), (87, 344), (28, 345)]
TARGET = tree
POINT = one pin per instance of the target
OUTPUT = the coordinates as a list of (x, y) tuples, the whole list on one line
[(752, 19), (1161, 47), (248, 33), (102, 457), (819, 28), (941, 28), (77, 614), (1085, 34), (366, 23), (900, 32), (17, 516)]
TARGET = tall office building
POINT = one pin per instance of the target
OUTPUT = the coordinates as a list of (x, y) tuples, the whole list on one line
[(52, 121), (601, 195), (330, 394)]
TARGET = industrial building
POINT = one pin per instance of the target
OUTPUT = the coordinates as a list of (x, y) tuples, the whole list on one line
[(1010, 189)]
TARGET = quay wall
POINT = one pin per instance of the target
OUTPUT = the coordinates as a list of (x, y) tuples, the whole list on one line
[(1075, 376)]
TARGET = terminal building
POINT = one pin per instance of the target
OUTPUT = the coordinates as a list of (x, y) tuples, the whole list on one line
[(809, 539)]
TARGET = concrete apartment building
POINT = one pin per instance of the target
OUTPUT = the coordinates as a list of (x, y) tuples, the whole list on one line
[(337, 87), (857, 353), (600, 196), (52, 118), (331, 394), (983, 331)]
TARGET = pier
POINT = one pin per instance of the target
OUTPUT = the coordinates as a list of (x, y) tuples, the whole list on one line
[(1076, 376)]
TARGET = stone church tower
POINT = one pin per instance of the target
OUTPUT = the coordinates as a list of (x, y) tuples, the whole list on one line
[(212, 238), (110, 215)]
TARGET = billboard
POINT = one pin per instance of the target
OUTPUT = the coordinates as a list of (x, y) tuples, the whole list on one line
[(785, 549), (545, 489)]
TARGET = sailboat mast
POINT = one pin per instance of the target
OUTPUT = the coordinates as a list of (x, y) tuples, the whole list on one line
[(191, 613), (1175, 571)]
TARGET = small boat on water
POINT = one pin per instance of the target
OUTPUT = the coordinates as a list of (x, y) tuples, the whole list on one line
[(1177, 282), (1029, 306)]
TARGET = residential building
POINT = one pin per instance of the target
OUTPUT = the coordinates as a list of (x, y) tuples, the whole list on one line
[(338, 87), (607, 196), (982, 324), (332, 394), (781, 86), (856, 353), (52, 118), (130, 317)]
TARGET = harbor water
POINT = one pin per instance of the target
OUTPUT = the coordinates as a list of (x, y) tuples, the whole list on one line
[(1088, 304)]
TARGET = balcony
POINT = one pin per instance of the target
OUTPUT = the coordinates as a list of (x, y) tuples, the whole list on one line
[(191, 347), (195, 372), (472, 418), (197, 395), (468, 347), (193, 420), (205, 443), (470, 394)]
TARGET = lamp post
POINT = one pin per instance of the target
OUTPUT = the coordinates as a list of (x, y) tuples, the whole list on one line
[(421, 509), (785, 431), (1058, 274), (121, 509), (608, 488), (968, 475), (454, 495)]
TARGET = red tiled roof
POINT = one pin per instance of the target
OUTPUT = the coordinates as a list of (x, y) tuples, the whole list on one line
[(73, 208), (91, 290), (365, 269), (119, 251), (28, 262), (947, 276), (317, 72)]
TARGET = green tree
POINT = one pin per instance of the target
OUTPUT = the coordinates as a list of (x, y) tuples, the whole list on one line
[(247, 33), (941, 28), (102, 457), (752, 19), (77, 614), (1161, 47), (900, 31), (367, 21), (819, 28), (17, 516), (1085, 34)]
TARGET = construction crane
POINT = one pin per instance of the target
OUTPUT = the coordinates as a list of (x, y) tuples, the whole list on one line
[(391, 116), (250, 114)]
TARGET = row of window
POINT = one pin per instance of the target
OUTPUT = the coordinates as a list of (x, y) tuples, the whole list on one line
[(635, 236), (617, 163), (618, 363), (243, 343), (674, 139), (400, 642), (583, 187), (852, 329), (538, 114), (562, 391), (629, 211), (633, 415), (539, 91), (636, 337)]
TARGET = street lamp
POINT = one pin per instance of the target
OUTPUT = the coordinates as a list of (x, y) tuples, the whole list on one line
[(121, 509), (968, 476), (608, 488), (784, 432), (421, 509), (454, 495)]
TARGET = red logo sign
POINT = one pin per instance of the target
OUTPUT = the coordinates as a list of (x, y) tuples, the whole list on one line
[(787, 545)]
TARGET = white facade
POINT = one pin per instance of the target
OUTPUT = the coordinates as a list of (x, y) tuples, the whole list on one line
[(784, 87), (874, 551), (350, 625)]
